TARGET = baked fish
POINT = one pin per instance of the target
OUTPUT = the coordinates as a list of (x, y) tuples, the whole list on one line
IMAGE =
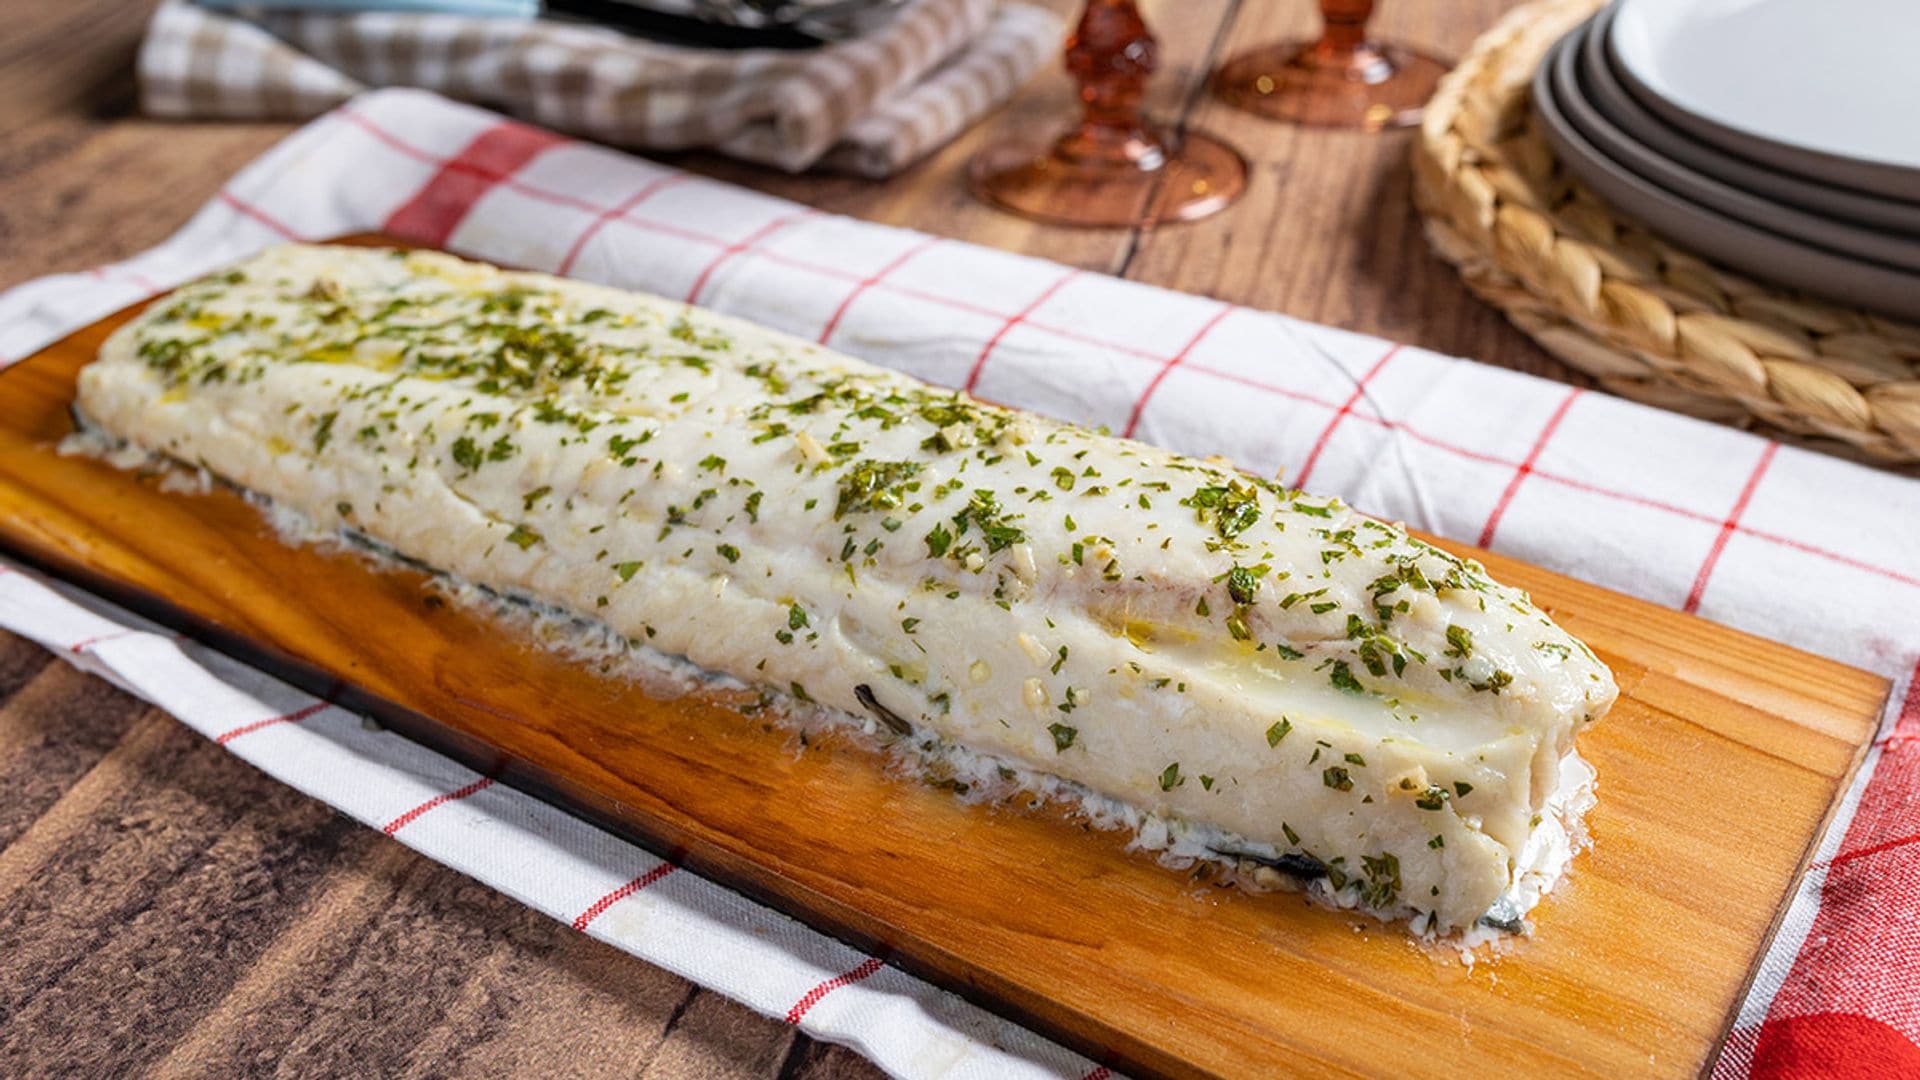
[(1295, 687)]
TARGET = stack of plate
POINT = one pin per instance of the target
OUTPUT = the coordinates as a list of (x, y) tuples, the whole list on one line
[(1780, 138)]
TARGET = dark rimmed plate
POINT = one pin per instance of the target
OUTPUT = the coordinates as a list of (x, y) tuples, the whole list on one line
[(1826, 91), (1738, 245), (1604, 90), (1853, 241)]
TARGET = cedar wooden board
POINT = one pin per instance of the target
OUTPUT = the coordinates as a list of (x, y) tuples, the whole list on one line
[(1720, 767)]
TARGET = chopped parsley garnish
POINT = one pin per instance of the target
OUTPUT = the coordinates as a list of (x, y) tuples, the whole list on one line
[(1459, 641), (983, 512), (874, 485), (466, 453), (1243, 582), (1063, 736), (1279, 730), (323, 431), (1234, 507), (1383, 879), (618, 445)]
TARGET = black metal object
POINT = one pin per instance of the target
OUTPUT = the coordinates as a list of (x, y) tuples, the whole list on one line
[(657, 25)]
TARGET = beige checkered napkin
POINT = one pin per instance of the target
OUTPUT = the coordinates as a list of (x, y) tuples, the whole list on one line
[(872, 105)]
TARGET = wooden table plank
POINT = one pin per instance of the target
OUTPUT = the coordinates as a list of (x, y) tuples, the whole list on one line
[(168, 908), (43, 73), (238, 924), (1327, 230)]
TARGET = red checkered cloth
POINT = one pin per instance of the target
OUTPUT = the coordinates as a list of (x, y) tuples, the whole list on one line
[(1761, 536)]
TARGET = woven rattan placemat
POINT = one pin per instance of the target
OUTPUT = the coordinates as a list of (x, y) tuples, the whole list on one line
[(1647, 320)]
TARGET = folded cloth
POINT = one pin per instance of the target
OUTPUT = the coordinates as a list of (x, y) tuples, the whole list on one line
[(872, 105), (1796, 546), (825, 20)]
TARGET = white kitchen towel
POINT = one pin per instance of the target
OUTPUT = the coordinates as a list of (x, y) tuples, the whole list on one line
[(1792, 545)]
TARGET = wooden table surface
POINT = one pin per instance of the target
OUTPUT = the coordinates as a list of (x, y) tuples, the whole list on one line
[(164, 907)]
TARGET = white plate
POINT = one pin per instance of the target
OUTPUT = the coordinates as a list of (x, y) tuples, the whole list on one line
[(1825, 88), (1736, 244)]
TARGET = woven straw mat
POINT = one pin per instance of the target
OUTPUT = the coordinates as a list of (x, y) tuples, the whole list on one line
[(1646, 320)]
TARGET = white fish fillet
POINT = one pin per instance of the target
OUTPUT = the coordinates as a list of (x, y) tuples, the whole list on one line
[(1311, 687)]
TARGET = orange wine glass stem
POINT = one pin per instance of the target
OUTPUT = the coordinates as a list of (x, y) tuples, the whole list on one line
[(1110, 55), (1344, 27), (1112, 169)]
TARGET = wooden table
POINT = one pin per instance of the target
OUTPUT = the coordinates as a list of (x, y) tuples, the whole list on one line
[(165, 907)]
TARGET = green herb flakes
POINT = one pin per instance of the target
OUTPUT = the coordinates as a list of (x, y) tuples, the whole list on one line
[(466, 453)]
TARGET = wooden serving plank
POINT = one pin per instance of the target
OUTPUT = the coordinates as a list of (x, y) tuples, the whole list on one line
[(1719, 767)]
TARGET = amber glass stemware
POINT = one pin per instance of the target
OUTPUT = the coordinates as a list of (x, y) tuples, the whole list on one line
[(1113, 168), (1343, 80)]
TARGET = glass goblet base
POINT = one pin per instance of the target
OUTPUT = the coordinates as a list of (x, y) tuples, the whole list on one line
[(1373, 87), (1189, 177)]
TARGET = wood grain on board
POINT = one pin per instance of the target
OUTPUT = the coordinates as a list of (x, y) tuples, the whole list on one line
[(1720, 765)]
